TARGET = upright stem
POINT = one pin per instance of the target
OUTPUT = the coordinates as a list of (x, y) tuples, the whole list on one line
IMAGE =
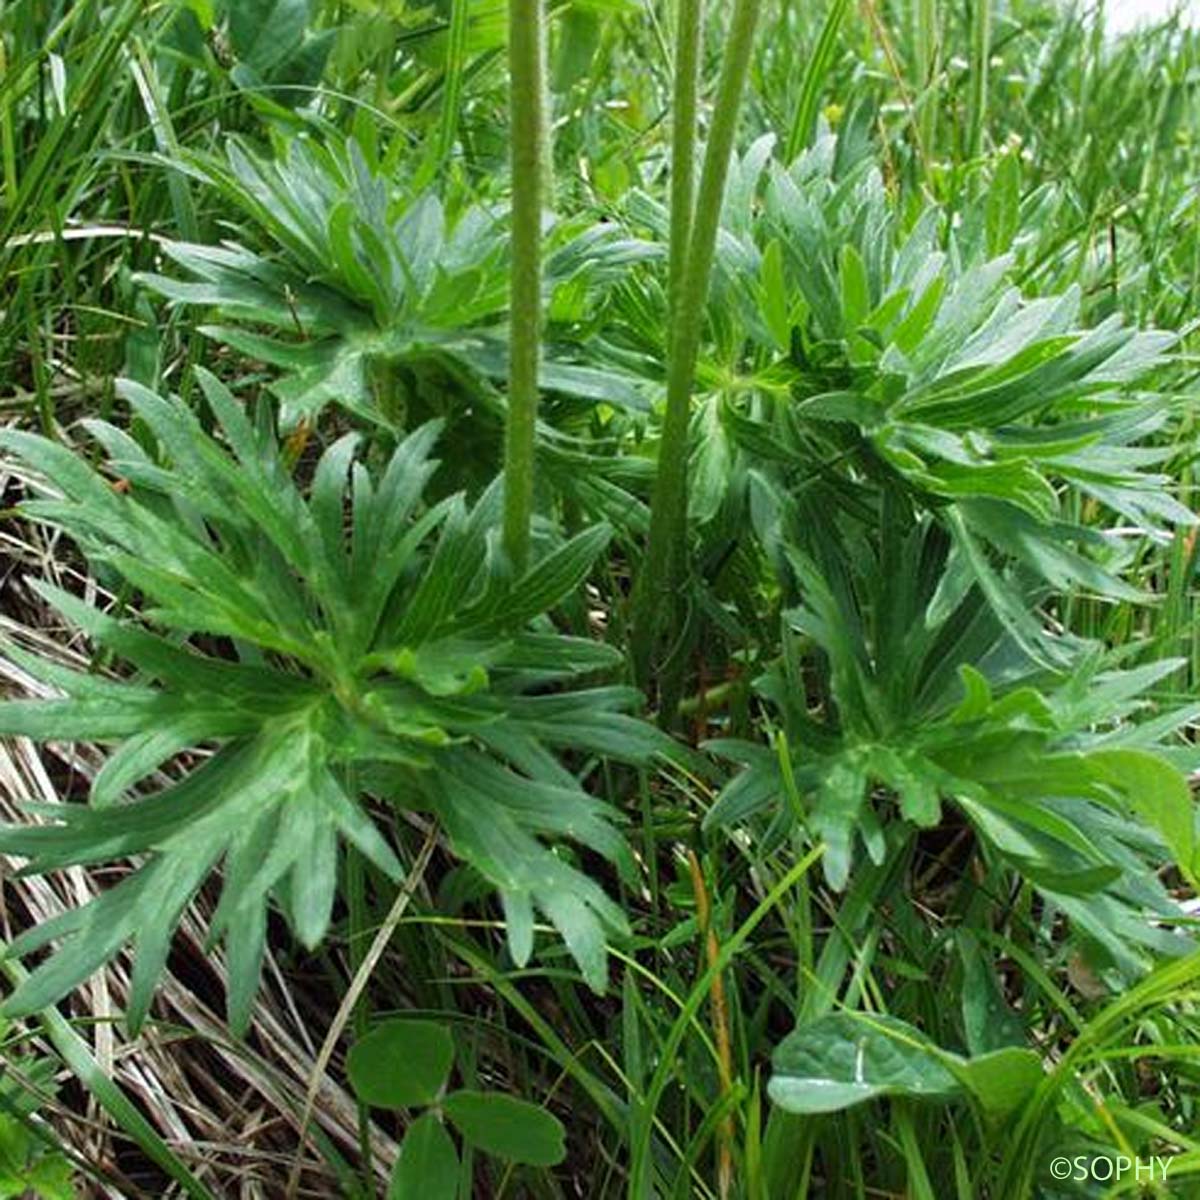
[(660, 573), (8, 152), (688, 38), (526, 93), (981, 52), (928, 67)]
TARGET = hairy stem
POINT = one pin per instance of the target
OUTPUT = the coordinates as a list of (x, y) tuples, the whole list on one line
[(688, 37), (526, 98), (661, 569)]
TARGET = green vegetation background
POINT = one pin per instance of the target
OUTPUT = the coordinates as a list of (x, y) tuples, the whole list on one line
[(607, 614)]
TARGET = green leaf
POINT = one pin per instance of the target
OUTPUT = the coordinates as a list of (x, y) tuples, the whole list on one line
[(773, 296), (427, 1167), (856, 293), (545, 585), (264, 31), (1158, 793), (363, 649), (1002, 1081), (447, 667), (578, 40), (401, 1064), (711, 463), (845, 1059), (987, 1019), (52, 1178), (506, 1127), (1003, 204), (835, 816)]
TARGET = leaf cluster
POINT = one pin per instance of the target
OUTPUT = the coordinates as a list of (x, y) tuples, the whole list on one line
[(379, 643)]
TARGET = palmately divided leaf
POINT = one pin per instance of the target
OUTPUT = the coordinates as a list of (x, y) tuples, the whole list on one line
[(883, 365), (343, 293), (903, 736), (378, 635)]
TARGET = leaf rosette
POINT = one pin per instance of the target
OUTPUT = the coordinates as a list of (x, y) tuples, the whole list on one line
[(303, 649)]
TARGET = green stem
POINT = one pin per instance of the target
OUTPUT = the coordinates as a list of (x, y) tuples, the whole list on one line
[(528, 145), (981, 51), (7, 140), (660, 571), (928, 66), (688, 30)]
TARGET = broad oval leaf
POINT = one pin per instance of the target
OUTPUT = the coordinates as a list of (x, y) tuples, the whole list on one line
[(400, 1064), (509, 1128), (847, 1058), (427, 1168)]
